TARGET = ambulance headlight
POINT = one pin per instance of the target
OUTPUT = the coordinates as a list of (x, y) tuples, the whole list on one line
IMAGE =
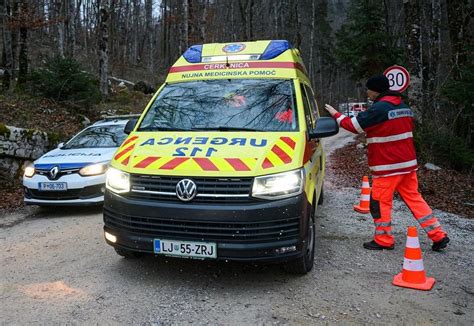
[(29, 171), (94, 169), (117, 181), (278, 186)]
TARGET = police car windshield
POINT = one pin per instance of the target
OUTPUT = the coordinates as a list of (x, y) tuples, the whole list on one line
[(98, 137), (225, 105)]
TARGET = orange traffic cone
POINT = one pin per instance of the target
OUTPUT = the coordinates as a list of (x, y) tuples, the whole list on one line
[(363, 207), (413, 273)]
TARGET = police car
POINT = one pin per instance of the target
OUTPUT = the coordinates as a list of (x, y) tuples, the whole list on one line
[(74, 173)]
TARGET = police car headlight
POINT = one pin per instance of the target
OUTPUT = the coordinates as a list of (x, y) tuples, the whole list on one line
[(278, 186), (117, 181), (29, 171), (94, 169)]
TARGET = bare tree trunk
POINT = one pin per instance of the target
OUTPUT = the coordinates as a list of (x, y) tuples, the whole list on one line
[(149, 32), (435, 47), (297, 36), (7, 44), (60, 9), (103, 48), (249, 25), (183, 44), (311, 42), (70, 28), (203, 22), (135, 32), (23, 56), (413, 35)]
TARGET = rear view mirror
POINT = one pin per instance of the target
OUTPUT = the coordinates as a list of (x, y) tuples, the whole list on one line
[(60, 145), (130, 126), (325, 127)]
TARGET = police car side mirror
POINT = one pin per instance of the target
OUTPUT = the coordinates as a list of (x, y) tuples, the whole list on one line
[(60, 145), (130, 126), (325, 127)]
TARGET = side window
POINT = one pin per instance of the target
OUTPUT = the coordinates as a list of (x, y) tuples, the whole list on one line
[(307, 109), (313, 103)]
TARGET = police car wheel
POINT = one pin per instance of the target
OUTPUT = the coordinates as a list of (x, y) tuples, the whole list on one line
[(127, 253), (305, 263)]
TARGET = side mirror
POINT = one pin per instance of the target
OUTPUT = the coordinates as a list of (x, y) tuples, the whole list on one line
[(60, 145), (325, 127), (130, 126)]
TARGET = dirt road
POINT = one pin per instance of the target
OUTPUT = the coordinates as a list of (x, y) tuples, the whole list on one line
[(56, 268)]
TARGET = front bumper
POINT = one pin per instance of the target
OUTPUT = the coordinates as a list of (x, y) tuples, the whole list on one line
[(80, 191), (244, 232)]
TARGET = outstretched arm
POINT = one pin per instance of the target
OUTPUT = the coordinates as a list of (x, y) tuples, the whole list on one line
[(350, 124)]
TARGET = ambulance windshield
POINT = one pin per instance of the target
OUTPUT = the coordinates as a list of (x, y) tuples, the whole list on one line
[(224, 104)]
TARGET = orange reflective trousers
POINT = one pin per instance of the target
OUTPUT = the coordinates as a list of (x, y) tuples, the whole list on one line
[(381, 207)]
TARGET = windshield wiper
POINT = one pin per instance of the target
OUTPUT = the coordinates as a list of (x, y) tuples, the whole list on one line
[(163, 129), (226, 128)]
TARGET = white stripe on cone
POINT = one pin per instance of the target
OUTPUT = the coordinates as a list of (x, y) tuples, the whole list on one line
[(365, 197), (413, 242), (413, 265), (365, 185)]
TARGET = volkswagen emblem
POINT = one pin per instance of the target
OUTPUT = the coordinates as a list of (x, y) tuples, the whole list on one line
[(186, 190), (53, 173)]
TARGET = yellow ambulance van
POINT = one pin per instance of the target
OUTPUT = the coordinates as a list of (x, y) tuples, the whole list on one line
[(225, 162)]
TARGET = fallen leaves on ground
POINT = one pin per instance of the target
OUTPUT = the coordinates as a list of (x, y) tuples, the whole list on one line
[(447, 190)]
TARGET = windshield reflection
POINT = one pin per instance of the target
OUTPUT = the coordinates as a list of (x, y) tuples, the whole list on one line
[(98, 137), (235, 104)]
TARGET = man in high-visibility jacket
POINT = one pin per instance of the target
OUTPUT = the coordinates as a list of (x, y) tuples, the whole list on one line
[(388, 125)]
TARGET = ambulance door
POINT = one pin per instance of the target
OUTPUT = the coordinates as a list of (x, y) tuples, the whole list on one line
[(314, 167)]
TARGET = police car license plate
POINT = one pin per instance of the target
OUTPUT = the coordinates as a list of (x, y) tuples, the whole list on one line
[(52, 186), (185, 248)]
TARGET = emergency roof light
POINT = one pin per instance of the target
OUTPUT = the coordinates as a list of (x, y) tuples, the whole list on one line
[(238, 57), (193, 54), (275, 48)]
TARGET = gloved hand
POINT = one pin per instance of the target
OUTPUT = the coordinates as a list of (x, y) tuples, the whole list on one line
[(332, 111)]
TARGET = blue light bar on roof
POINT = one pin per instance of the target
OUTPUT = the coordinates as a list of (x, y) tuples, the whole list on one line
[(275, 48), (193, 54)]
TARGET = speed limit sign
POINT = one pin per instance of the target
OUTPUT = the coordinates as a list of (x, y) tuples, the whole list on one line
[(398, 78)]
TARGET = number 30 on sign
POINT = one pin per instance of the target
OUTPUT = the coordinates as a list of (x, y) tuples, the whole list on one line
[(398, 78)]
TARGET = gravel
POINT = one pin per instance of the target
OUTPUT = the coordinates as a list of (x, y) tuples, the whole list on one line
[(56, 268)]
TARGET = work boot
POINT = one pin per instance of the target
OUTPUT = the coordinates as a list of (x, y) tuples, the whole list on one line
[(440, 245), (372, 245)]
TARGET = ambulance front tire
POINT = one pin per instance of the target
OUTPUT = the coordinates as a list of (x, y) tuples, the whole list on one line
[(128, 254), (305, 263)]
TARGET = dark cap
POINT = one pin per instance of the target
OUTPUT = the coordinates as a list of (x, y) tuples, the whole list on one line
[(378, 83)]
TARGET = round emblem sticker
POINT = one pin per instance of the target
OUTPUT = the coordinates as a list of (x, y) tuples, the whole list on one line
[(233, 48)]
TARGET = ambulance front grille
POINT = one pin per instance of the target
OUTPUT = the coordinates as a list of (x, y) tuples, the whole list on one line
[(209, 190), (219, 231)]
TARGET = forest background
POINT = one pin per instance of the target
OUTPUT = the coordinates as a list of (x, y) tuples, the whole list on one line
[(71, 53)]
